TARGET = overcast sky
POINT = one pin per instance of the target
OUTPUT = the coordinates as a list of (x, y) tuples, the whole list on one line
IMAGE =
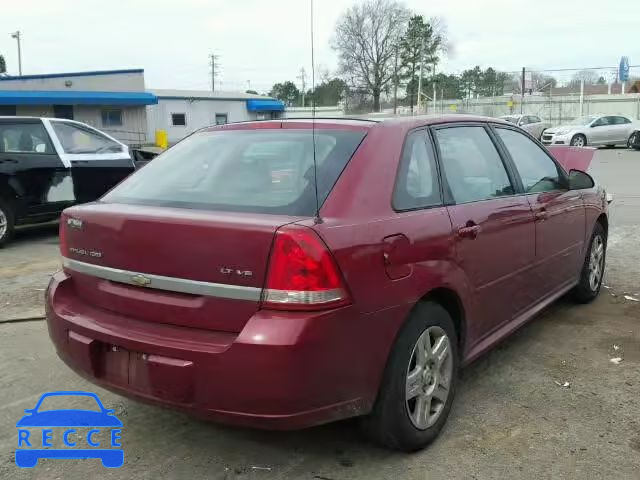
[(265, 41)]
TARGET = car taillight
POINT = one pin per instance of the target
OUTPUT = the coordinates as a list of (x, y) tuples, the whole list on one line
[(302, 274)]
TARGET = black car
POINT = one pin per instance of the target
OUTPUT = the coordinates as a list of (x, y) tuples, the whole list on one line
[(634, 140), (47, 165)]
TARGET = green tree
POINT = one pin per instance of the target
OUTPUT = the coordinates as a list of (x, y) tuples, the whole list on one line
[(418, 48), (471, 81), (366, 39), (447, 86), (329, 93), (287, 92), (3, 65)]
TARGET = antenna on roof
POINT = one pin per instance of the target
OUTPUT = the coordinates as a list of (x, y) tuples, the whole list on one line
[(317, 218)]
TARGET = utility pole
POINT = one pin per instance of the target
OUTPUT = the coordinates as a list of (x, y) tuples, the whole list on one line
[(214, 66), (395, 83), (303, 80), (16, 35), (522, 94), (420, 75)]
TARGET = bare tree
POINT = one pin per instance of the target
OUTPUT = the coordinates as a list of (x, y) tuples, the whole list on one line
[(366, 37)]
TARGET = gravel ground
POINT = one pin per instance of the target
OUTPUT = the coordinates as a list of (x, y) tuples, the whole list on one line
[(510, 419)]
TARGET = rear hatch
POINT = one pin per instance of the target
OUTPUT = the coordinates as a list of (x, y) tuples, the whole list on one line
[(195, 227), (202, 255)]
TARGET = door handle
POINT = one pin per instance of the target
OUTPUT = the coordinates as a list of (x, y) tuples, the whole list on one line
[(541, 215), (470, 230)]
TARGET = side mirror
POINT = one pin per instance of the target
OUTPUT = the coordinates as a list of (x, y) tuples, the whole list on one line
[(579, 180)]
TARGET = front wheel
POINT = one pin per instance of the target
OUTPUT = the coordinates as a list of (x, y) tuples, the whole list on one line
[(593, 267), (419, 382), (578, 140), (6, 222)]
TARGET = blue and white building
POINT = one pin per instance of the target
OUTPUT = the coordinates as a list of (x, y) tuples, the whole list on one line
[(118, 102)]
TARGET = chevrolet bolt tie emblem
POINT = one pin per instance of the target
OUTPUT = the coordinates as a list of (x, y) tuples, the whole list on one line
[(141, 280)]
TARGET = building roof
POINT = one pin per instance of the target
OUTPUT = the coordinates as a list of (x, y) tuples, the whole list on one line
[(72, 74), (205, 95), (73, 97)]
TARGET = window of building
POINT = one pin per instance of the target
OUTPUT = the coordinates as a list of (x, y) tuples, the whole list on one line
[(63, 111), (24, 138), (221, 118), (112, 118), (538, 172), (417, 185), (179, 119), (8, 111), (472, 166), (80, 139)]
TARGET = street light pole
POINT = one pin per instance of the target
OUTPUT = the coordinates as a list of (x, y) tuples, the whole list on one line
[(16, 35)]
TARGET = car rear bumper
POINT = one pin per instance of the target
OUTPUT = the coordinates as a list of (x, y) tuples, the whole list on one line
[(284, 370)]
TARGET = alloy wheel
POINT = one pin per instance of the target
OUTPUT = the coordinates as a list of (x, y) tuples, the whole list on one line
[(596, 262), (578, 142), (4, 224), (429, 376)]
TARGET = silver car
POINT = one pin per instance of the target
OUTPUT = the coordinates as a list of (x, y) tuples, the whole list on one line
[(531, 123), (610, 130)]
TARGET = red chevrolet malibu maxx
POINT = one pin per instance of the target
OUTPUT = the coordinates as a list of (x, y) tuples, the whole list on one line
[(283, 274)]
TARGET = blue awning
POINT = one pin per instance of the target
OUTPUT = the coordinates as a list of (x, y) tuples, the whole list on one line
[(66, 97), (265, 105)]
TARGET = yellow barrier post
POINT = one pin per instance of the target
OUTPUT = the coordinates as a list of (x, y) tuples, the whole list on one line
[(162, 139)]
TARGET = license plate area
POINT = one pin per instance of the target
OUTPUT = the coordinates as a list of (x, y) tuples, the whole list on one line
[(165, 378)]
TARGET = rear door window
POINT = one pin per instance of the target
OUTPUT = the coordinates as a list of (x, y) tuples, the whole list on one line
[(79, 139), (472, 166), (262, 171)]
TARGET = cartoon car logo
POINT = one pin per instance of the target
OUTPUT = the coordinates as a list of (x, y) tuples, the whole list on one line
[(73, 420)]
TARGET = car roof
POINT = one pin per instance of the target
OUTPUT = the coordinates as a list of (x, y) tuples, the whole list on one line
[(362, 122)]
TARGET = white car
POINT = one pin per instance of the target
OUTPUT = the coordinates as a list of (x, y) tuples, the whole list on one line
[(530, 123), (594, 130)]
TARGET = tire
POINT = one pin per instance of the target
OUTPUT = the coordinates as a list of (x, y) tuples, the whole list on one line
[(634, 138), (578, 140), (7, 222), (589, 286), (396, 421)]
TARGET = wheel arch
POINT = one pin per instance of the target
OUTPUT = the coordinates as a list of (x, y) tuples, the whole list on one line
[(451, 301), (604, 221)]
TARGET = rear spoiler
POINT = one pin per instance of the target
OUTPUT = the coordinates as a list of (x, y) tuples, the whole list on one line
[(578, 158)]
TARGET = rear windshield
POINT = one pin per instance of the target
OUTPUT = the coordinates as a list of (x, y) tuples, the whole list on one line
[(261, 171)]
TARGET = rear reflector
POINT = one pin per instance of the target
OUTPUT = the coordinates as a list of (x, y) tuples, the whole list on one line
[(62, 229), (302, 273)]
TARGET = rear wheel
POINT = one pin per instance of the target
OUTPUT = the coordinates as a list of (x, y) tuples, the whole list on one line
[(419, 382), (593, 267), (578, 140), (634, 141), (7, 220)]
